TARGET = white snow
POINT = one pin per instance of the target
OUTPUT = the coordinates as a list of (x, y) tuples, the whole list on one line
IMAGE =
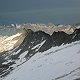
[(57, 63), (37, 47), (15, 53), (21, 59)]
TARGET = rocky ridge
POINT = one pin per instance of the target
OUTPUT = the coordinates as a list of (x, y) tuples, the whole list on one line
[(32, 42)]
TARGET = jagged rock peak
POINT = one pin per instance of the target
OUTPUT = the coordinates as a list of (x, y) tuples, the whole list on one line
[(28, 36)]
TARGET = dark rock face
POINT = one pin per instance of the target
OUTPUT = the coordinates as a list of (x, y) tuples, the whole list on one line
[(59, 38), (75, 35), (32, 44), (77, 79), (33, 39)]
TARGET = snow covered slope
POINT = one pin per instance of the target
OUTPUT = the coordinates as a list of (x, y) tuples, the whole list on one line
[(57, 63), (8, 43)]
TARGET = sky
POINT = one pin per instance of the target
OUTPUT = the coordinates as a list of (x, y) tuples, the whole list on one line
[(59, 11), (21, 5)]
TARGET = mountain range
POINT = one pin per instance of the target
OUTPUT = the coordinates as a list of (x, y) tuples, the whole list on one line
[(37, 55)]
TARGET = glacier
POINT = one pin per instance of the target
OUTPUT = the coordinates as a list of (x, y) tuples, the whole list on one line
[(57, 63)]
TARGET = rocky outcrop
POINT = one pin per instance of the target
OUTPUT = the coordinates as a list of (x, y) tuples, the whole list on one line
[(59, 38), (26, 39), (34, 39)]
